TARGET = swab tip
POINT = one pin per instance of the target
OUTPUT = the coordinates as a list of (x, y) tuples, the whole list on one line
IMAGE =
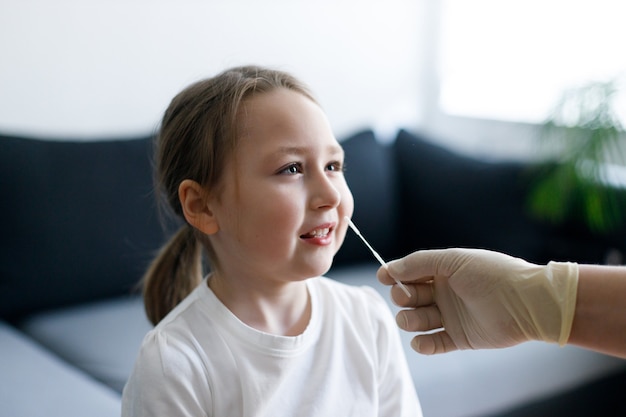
[(404, 288)]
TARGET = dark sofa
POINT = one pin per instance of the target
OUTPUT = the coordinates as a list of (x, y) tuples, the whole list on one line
[(80, 224)]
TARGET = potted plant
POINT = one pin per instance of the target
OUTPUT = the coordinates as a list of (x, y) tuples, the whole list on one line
[(586, 144)]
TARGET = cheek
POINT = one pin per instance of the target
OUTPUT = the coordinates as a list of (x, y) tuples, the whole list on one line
[(267, 213)]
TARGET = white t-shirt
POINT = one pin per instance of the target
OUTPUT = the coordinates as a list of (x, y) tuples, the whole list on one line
[(201, 360)]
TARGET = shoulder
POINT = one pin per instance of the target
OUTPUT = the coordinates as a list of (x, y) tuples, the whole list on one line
[(183, 338), (351, 293), (167, 377), (165, 354), (357, 302), (172, 353)]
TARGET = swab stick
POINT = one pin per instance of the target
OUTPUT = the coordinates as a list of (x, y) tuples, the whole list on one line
[(376, 255)]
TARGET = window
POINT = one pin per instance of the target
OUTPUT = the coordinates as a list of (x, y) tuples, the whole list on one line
[(511, 60)]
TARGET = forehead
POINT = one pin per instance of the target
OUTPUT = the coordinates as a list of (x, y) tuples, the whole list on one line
[(283, 116)]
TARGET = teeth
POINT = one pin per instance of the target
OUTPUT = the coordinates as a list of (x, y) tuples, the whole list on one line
[(319, 232)]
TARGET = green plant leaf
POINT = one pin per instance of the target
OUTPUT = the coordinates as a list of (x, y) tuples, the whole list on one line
[(583, 134)]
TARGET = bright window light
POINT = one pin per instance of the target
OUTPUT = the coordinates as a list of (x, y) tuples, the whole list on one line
[(511, 60)]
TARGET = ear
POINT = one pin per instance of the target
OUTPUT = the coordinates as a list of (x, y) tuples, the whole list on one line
[(195, 208)]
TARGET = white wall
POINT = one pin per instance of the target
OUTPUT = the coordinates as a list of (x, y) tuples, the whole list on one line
[(103, 68)]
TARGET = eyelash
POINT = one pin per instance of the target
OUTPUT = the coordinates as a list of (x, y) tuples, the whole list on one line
[(336, 166)]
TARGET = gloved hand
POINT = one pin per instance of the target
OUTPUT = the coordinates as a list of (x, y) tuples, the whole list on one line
[(482, 299)]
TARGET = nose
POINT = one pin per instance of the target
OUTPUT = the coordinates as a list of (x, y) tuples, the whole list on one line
[(324, 192)]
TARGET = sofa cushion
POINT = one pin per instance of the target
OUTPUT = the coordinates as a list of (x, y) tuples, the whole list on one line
[(449, 199), (78, 220), (100, 338), (35, 383), (371, 177)]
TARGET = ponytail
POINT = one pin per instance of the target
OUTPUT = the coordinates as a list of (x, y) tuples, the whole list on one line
[(175, 272)]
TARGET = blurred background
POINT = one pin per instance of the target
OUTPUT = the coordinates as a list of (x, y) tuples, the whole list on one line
[(478, 76)]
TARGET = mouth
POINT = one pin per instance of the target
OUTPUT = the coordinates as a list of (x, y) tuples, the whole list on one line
[(319, 232)]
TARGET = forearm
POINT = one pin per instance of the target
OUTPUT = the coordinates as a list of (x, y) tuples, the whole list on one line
[(600, 317)]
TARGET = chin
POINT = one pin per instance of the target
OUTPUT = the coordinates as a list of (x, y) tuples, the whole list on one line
[(319, 269)]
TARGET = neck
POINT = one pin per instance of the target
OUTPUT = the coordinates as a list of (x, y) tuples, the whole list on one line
[(283, 309)]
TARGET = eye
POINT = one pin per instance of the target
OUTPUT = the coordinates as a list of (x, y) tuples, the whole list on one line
[(291, 169), (336, 166)]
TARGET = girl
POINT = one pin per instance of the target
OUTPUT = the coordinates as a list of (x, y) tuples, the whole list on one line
[(248, 159)]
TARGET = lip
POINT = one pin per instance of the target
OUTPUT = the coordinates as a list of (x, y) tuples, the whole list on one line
[(318, 235)]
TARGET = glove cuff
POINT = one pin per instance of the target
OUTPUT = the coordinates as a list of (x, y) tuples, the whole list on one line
[(547, 297), (564, 278)]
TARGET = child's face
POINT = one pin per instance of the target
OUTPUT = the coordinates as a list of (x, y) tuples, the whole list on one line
[(281, 212)]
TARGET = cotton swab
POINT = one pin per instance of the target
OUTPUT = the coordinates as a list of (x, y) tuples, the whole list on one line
[(376, 255)]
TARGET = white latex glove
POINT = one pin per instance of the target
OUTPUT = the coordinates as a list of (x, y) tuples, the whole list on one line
[(482, 299)]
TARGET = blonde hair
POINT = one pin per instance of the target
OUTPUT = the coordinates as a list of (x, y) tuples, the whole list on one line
[(197, 136)]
